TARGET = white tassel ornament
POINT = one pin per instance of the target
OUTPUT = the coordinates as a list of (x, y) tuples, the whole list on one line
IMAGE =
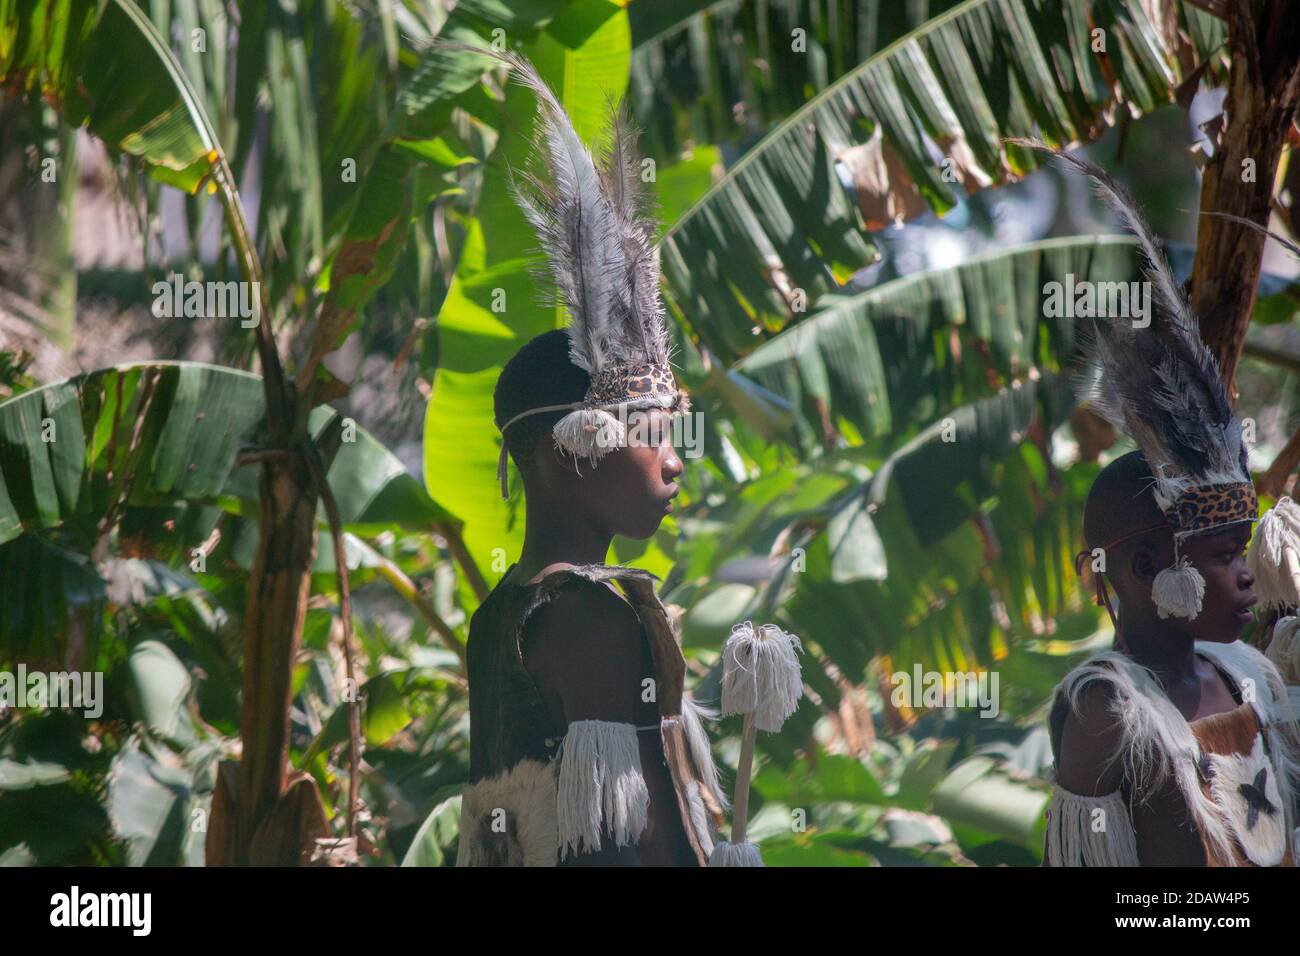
[(760, 679), (735, 854), (590, 433), (600, 786), (1284, 650), (1274, 556), (760, 674), (1178, 590), (1074, 837)]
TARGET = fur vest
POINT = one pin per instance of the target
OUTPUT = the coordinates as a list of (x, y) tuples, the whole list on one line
[(539, 791), (1238, 772)]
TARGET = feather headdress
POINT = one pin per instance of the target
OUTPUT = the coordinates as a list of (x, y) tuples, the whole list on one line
[(1274, 555), (596, 231), (1156, 380)]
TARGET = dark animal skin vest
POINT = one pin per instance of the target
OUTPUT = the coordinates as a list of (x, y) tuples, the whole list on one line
[(510, 723)]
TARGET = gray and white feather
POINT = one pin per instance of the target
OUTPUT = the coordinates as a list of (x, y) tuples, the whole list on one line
[(1159, 383), (594, 226)]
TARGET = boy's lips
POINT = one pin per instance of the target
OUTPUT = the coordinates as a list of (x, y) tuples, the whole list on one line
[(1244, 612)]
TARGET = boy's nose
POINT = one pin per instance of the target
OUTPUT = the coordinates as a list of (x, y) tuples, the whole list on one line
[(672, 465), (1245, 579)]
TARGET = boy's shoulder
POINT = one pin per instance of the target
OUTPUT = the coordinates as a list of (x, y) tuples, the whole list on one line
[(1086, 702), (561, 573), (1090, 723), (580, 608), (1103, 676), (561, 580), (586, 646)]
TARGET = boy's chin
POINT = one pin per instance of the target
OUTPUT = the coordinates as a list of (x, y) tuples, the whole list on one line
[(642, 531), (1226, 632)]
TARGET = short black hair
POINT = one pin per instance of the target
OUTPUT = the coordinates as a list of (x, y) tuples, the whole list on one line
[(1121, 502), (540, 373)]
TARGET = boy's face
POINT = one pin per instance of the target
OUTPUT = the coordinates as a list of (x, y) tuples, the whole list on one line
[(1229, 585), (633, 486)]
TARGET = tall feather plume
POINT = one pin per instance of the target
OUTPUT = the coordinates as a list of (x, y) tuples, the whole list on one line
[(594, 227), (1159, 383), (621, 175)]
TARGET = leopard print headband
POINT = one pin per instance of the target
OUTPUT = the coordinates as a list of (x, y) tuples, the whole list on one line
[(1213, 506)]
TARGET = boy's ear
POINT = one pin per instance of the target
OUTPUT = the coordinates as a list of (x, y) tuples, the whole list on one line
[(1142, 564), (564, 461)]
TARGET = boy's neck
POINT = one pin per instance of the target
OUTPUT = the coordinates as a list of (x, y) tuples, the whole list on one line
[(1162, 648), (554, 535)]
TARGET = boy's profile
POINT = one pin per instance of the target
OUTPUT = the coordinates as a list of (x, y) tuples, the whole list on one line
[(1178, 746), (1181, 717), (585, 746)]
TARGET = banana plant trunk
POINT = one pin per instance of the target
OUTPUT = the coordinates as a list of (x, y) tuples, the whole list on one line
[(273, 621), (262, 814), (1260, 110)]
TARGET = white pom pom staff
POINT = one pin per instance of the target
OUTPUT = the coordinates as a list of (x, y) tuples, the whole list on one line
[(760, 679)]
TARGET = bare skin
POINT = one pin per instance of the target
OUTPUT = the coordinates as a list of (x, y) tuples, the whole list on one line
[(1165, 834), (586, 650)]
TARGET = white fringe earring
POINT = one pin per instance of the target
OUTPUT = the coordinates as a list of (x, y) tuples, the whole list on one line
[(760, 679), (1179, 590), (1274, 556), (590, 433)]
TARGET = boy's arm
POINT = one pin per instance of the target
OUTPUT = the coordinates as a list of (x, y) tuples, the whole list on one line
[(1088, 743), (585, 650), (1088, 820)]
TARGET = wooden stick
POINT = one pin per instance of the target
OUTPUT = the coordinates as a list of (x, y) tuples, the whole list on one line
[(740, 813), (1288, 459)]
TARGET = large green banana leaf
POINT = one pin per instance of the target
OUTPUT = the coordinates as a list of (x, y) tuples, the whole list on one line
[(169, 431), (150, 450), (947, 552), (944, 535), (907, 128), (891, 360), (101, 64), (975, 536), (719, 71)]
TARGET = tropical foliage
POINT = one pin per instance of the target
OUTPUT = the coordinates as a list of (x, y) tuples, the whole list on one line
[(893, 470)]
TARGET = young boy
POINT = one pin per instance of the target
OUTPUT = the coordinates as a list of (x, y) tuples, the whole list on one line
[(1179, 746), (585, 748), (1158, 733)]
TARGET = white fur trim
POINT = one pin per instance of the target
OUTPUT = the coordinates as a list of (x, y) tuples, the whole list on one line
[(510, 819), (697, 739), (735, 854), (1264, 843), (590, 433), (1257, 678), (1179, 590), (699, 817), (600, 786), (760, 674), (644, 404), (1089, 831), (1156, 742), (1274, 555)]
